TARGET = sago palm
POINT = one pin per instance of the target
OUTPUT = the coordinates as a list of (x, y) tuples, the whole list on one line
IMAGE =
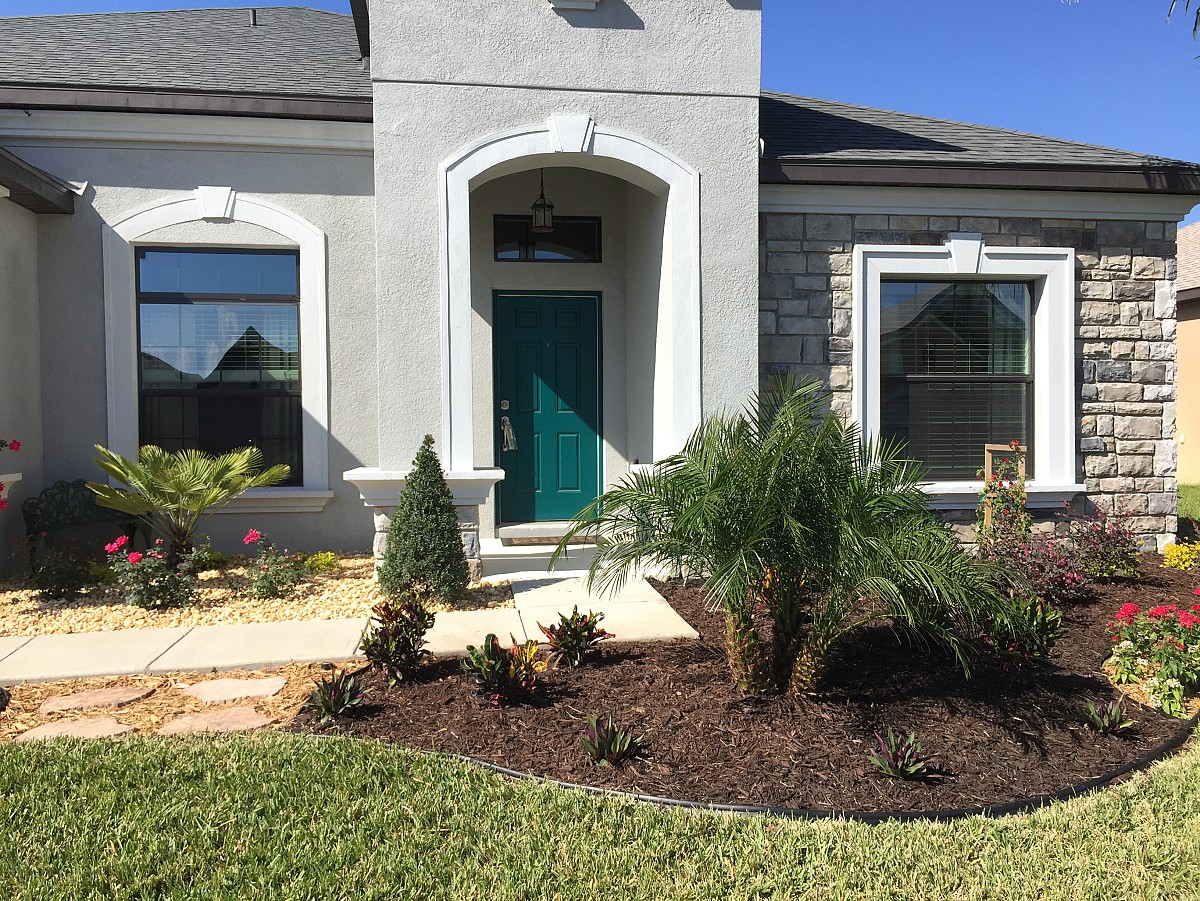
[(172, 491), (788, 515)]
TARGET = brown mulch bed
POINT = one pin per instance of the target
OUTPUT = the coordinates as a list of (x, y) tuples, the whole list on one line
[(998, 737)]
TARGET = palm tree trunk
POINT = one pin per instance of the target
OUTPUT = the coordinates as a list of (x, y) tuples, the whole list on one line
[(747, 656), (806, 669)]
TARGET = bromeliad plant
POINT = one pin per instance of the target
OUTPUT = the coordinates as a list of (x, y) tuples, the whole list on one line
[(336, 695), (901, 758), (394, 640), (609, 745), (787, 514), (172, 491), (504, 675), (1159, 650), (1108, 719), (574, 637)]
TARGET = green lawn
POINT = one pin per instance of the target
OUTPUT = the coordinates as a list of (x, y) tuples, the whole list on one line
[(288, 817), (1189, 501)]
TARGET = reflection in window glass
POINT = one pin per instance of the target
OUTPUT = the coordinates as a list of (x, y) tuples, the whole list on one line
[(955, 370), (240, 273), (574, 240)]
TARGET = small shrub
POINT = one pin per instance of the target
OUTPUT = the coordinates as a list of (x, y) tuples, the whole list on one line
[(1105, 546), (336, 695), (100, 573), (1183, 555), (207, 559), (147, 579), (59, 575), (321, 562), (1159, 650), (424, 546), (505, 675), (609, 745), (275, 574), (1108, 719), (575, 636), (901, 758), (394, 640), (1029, 630)]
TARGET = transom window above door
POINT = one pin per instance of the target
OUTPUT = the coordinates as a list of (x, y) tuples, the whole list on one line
[(219, 351), (955, 370), (575, 239)]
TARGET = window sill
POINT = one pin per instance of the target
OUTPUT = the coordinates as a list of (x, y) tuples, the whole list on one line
[(965, 495), (278, 500)]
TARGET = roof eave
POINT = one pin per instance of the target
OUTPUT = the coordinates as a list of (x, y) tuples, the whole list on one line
[(1149, 179), (32, 188), (334, 109)]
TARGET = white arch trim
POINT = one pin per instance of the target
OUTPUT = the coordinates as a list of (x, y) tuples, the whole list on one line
[(580, 142), (217, 204)]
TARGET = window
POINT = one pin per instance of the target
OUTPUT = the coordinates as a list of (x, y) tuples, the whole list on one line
[(219, 351), (574, 240), (955, 370)]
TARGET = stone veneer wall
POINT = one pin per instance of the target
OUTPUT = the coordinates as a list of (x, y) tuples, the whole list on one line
[(1125, 334)]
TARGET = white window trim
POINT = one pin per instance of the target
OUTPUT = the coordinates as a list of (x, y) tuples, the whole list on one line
[(964, 255), (219, 204)]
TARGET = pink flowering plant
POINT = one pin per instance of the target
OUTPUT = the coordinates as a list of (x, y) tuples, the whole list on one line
[(12, 445), (274, 573), (147, 579), (1158, 649)]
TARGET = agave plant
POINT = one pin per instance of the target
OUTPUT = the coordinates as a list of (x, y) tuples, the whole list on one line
[(172, 491), (787, 511)]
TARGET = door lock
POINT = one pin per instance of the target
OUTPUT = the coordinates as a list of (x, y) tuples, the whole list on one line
[(508, 437)]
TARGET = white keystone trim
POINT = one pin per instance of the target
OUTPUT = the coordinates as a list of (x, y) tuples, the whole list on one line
[(1052, 270), (677, 403), (121, 236)]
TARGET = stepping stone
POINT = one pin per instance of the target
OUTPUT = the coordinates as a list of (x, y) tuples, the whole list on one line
[(232, 719), (95, 727), (218, 691), (116, 697)]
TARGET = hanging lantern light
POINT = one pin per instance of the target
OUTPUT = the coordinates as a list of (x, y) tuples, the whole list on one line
[(543, 211)]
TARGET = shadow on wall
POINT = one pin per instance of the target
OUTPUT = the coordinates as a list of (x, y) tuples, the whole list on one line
[(610, 14)]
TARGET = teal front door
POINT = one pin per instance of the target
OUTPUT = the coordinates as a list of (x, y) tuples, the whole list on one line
[(547, 404)]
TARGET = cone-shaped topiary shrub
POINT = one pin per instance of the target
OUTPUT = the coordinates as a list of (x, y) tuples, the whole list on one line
[(424, 549)]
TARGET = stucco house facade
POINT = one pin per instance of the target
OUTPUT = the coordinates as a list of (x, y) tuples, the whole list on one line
[(324, 235)]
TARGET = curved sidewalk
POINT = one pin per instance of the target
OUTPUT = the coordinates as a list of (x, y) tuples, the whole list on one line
[(638, 613)]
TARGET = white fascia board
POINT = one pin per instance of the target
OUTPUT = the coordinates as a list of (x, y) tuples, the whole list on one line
[(854, 199), (158, 128)]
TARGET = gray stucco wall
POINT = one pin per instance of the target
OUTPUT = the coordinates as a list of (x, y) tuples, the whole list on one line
[(20, 372), (332, 190), (1125, 334)]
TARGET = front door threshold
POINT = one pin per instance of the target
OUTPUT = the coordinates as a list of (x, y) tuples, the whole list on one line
[(548, 533)]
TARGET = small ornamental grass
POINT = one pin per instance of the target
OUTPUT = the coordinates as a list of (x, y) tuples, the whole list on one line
[(575, 637), (902, 758), (336, 695), (1108, 719), (148, 580), (505, 675), (275, 573), (394, 640), (1159, 650), (608, 744)]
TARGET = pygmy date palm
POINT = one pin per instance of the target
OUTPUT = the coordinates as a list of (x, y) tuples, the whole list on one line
[(789, 517)]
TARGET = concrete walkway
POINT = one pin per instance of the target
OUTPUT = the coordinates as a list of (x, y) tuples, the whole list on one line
[(638, 613)]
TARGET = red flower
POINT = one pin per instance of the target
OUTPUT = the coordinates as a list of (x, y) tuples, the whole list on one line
[(1162, 610), (115, 546), (1196, 608), (252, 537), (1188, 620), (1128, 612), (3, 504), (14, 445), (135, 557)]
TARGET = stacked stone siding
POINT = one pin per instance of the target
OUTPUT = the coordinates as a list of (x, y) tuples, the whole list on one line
[(1125, 333)]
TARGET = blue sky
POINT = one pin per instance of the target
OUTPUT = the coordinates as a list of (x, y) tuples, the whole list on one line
[(1110, 72)]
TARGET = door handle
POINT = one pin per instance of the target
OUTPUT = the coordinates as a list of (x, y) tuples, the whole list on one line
[(508, 437)]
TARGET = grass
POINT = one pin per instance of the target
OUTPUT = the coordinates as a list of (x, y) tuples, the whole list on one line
[(288, 817), (1189, 501)]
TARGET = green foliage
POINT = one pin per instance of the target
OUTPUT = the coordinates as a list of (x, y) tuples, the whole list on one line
[(394, 640), (336, 695), (321, 562), (785, 509), (207, 559), (424, 547), (149, 580), (60, 575), (504, 675), (574, 637), (609, 745), (901, 758), (275, 574), (172, 491), (1109, 719), (1028, 629)]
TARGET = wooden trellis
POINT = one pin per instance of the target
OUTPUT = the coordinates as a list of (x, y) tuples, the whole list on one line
[(990, 452)]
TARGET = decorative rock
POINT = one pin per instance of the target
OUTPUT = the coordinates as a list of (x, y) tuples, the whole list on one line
[(232, 719), (219, 691), (94, 727), (115, 697)]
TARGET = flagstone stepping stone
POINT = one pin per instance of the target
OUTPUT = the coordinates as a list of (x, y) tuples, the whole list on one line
[(231, 719), (218, 691), (93, 727), (116, 697)]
